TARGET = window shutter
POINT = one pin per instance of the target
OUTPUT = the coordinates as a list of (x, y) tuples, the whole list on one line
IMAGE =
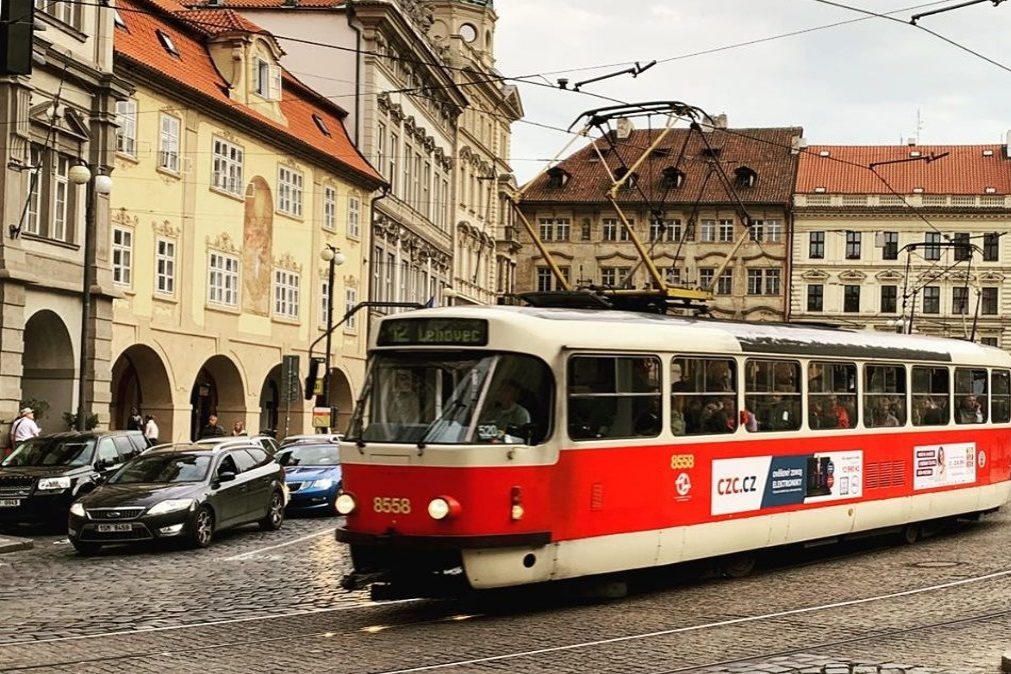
[(275, 83)]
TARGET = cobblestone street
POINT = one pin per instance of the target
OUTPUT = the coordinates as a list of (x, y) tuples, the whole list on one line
[(267, 602)]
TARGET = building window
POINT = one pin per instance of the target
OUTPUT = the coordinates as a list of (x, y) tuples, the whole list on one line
[(61, 198), (324, 302), (815, 297), (673, 276), (350, 302), (289, 191), (165, 267), (816, 245), (52, 199), (890, 251), (223, 280), (168, 143), (67, 12), (960, 300), (852, 245), (706, 276), (393, 176), (122, 256), (770, 231), (991, 247), (268, 80), (330, 208), (988, 297), (726, 230), (763, 281), (610, 226), (990, 341), (932, 300), (354, 217), (708, 231), (227, 174), (851, 299), (561, 229), (725, 284), (285, 293), (586, 232), (662, 230), (35, 179), (889, 299), (609, 276), (126, 134), (546, 281), (381, 147), (391, 267), (932, 251), (963, 249), (167, 43)]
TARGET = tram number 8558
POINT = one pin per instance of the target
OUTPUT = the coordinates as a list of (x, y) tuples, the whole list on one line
[(682, 461), (396, 506)]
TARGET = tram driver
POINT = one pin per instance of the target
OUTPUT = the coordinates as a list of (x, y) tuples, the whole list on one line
[(506, 414)]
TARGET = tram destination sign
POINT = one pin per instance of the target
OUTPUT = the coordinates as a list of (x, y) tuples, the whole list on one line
[(434, 331)]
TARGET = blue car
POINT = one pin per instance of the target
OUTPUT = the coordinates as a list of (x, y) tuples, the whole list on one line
[(313, 475)]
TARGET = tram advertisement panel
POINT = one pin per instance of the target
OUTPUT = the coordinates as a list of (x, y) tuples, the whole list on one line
[(944, 465), (753, 483)]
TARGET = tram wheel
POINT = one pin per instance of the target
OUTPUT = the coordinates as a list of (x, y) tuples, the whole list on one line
[(738, 566), (911, 533)]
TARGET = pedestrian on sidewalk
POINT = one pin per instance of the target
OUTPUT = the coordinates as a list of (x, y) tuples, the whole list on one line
[(238, 428), (135, 422), (150, 431), (212, 429), (24, 427)]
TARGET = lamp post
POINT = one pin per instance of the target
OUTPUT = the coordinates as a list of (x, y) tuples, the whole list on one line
[(450, 294), (97, 183), (333, 257)]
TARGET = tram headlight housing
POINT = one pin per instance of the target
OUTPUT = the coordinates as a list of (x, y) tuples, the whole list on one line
[(345, 503), (443, 507)]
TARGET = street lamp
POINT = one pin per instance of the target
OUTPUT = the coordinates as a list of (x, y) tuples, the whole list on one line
[(98, 183), (450, 294), (334, 258)]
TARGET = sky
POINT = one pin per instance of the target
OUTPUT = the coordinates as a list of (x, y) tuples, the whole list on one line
[(860, 83)]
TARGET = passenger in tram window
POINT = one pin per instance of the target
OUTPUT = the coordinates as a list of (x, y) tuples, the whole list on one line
[(718, 377), (970, 411), (929, 412), (677, 414), (782, 414), (816, 378), (748, 420), (719, 416), (883, 417)]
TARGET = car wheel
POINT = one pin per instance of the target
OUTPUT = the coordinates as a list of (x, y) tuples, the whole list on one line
[(203, 528), (86, 549), (275, 513)]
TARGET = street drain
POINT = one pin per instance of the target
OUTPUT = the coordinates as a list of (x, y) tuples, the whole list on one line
[(935, 565)]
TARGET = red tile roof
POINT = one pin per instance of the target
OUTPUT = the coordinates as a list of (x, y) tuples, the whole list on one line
[(965, 169), (270, 4), (193, 71), (765, 151), (215, 21)]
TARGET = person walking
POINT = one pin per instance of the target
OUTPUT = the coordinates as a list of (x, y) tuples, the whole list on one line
[(24, 427), (150, 431), (212, 429)]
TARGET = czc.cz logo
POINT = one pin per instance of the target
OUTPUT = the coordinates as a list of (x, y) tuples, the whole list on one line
[(727, 486)]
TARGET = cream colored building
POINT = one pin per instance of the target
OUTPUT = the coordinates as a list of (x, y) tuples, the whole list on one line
[(924, 244), (232, 177), (61, 115)]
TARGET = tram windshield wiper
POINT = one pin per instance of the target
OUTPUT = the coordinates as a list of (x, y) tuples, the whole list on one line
[(447, 415)]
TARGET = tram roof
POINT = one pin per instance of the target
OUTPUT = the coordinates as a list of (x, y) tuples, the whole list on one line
[(554, 327)]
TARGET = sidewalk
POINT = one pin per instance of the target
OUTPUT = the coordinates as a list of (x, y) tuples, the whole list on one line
[(13, 544)]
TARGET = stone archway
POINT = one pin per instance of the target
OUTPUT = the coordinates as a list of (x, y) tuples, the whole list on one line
[(341, 397), (276, 414), (48, 367), (139, 379), (217, 389)]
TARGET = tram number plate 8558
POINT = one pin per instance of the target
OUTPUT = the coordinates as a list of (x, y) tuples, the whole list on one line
[(396, 506), (682, 461)]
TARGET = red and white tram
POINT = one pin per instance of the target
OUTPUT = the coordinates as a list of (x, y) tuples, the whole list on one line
[(523, 445)]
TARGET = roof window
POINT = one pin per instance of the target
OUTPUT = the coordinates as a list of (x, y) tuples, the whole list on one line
[(660, 152), (167, 43), (991, 190), (672, 177), (987, 153), (914, 153), (746, 176), (118, 20), (918, 190), (321, 125), (824, 153), (711, 152), (558, 177), (621, 172), (820, 190)]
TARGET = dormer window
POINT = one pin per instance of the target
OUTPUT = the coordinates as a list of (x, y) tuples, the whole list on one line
[(672, 178), (660, 152), (268, 80), (321, 125), (711, 152), (117, 18), (167, 43), (746, 176), (621, 172), (558, 177)]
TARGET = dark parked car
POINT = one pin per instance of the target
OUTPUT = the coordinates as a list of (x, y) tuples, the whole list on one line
[(43, 475), (313, 474), (183, 492), (265, 441)]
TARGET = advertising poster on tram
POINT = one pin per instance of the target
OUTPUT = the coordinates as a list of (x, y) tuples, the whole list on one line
[(944, 465), (759, 482)]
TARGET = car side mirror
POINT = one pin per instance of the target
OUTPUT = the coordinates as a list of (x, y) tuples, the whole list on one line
[(226, 476)]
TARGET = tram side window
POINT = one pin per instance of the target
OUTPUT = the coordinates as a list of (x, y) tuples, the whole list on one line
[(970, 396), (1000, 396), (832, 395), (884, 396), (703, 396), (771, 396), (614, 397), (930, 396)]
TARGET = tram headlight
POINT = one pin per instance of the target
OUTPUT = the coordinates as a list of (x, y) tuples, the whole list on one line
[(345, 504), (443, 507)]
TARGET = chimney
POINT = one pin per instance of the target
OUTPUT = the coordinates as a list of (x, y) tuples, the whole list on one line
[(625, 128), (1007, 145), (911, 142), (798, 144), (721, 120)]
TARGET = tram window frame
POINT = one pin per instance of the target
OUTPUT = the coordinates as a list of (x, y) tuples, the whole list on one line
[(767, 378), (1001, 398), (836, 379), (699, 396), (624, 389), (917, 395), (889, 388), (968, 382)]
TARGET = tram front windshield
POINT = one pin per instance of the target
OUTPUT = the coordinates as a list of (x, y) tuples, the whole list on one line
[(454, 398)]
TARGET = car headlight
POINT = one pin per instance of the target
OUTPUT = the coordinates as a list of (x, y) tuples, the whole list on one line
[(77, 509), (345, 504), (325, 483), (53, 483), (441, 507), (172, 505)]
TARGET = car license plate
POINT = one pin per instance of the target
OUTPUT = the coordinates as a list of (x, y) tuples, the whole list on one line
[(108, 528), (10, 502)]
